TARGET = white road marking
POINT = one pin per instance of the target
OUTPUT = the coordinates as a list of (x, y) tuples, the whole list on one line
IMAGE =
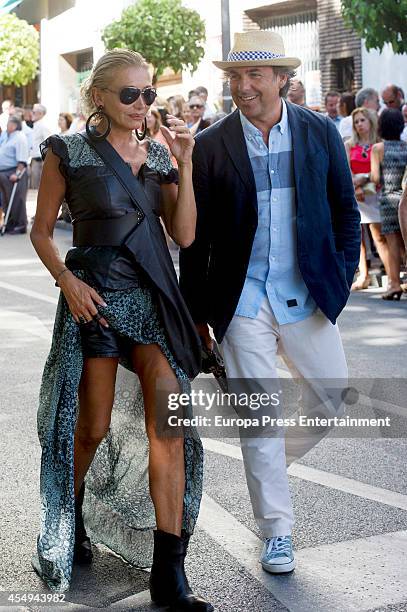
[(18, 321), (24, 273), (29, 293), (12, 262), (133, 602), (349, 485), (222, 448), (326, 479), (356, 575)]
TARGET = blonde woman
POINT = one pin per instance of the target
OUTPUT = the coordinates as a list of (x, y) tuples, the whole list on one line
[(64, 122), (177, 106), (119, 300), (154, 132), (358, 150)]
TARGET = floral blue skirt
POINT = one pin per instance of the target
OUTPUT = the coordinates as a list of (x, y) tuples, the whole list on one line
[(118, 509)]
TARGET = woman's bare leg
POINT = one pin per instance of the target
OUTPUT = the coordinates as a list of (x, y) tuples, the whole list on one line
[(394, 240), (96, 394), (362, 280), (166, 461), (381, 244)]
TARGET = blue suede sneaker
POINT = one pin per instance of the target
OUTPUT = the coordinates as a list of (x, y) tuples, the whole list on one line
[(277, 556)]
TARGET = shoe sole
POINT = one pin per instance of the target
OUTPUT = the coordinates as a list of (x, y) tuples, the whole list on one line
[(173, 607), (278, 569)]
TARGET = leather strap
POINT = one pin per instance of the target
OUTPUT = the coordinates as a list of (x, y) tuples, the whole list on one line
[(123, 174)]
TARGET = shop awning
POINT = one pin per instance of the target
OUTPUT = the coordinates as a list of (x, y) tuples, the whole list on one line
[(8, 5)]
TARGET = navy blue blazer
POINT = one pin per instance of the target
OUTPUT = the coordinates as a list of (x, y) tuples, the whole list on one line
[(213, 268)]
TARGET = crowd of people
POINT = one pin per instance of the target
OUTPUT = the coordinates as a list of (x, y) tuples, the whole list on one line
[(373, 128), (375, 137), (23, 129)]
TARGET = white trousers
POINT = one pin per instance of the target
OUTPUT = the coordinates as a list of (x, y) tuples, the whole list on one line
[(312, 349)]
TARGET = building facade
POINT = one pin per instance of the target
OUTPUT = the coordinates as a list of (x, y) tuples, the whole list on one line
[(314, 30), (333, 56), (70, 36)]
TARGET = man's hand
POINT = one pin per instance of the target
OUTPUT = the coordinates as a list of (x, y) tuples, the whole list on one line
[(203, 332), (13, 178)]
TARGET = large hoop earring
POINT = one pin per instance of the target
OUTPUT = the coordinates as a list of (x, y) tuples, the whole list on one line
[(144, 132), (91, 129)]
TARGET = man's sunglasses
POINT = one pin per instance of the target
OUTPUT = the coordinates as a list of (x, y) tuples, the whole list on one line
[(128, 95), (192, 106)]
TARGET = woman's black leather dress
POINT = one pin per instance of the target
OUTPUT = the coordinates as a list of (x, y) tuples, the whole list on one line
[(103, 215)]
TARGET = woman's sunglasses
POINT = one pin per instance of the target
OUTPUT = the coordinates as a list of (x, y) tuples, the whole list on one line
[(365, 149), (128, 95)]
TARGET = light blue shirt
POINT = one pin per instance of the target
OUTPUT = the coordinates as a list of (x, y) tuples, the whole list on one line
[(13, 150), (336, 121), (273, 270)]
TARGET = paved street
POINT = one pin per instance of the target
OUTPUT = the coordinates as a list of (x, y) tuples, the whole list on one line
[(350, 495)]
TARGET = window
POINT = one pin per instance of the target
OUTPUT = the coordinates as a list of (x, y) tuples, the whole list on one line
[(343, 74), (300, 33)]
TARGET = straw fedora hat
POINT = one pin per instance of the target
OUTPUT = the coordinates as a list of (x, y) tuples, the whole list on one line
[(258, 48)]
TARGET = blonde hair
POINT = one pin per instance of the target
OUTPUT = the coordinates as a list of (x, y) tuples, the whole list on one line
[(371, 116), (157, 123), (177, 104), (103, 71)]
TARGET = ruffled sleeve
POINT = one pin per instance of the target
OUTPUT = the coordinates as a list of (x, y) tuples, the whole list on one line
[(158, 159), (60, 149)]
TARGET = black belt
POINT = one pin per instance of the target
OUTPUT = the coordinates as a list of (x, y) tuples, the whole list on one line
[(104, 232)]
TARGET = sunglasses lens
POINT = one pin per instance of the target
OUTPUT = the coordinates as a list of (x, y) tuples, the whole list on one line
[(128, 95), (149, 95)]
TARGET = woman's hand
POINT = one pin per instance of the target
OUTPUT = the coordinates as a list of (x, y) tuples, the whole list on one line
[(81, 299), (360, 194), (179, 139), (360, 180)]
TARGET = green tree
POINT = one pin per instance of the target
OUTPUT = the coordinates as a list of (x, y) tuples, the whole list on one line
[(19, 51), (378, 22), (163, 31)]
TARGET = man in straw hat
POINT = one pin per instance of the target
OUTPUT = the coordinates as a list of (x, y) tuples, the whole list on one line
[(276, 248)]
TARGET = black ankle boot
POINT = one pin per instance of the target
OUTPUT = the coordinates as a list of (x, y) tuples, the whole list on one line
[(168, 582), (83, 550)]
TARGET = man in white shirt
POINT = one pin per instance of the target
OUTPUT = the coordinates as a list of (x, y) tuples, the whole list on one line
[(40, 133), (209, 109), (368, 98)]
